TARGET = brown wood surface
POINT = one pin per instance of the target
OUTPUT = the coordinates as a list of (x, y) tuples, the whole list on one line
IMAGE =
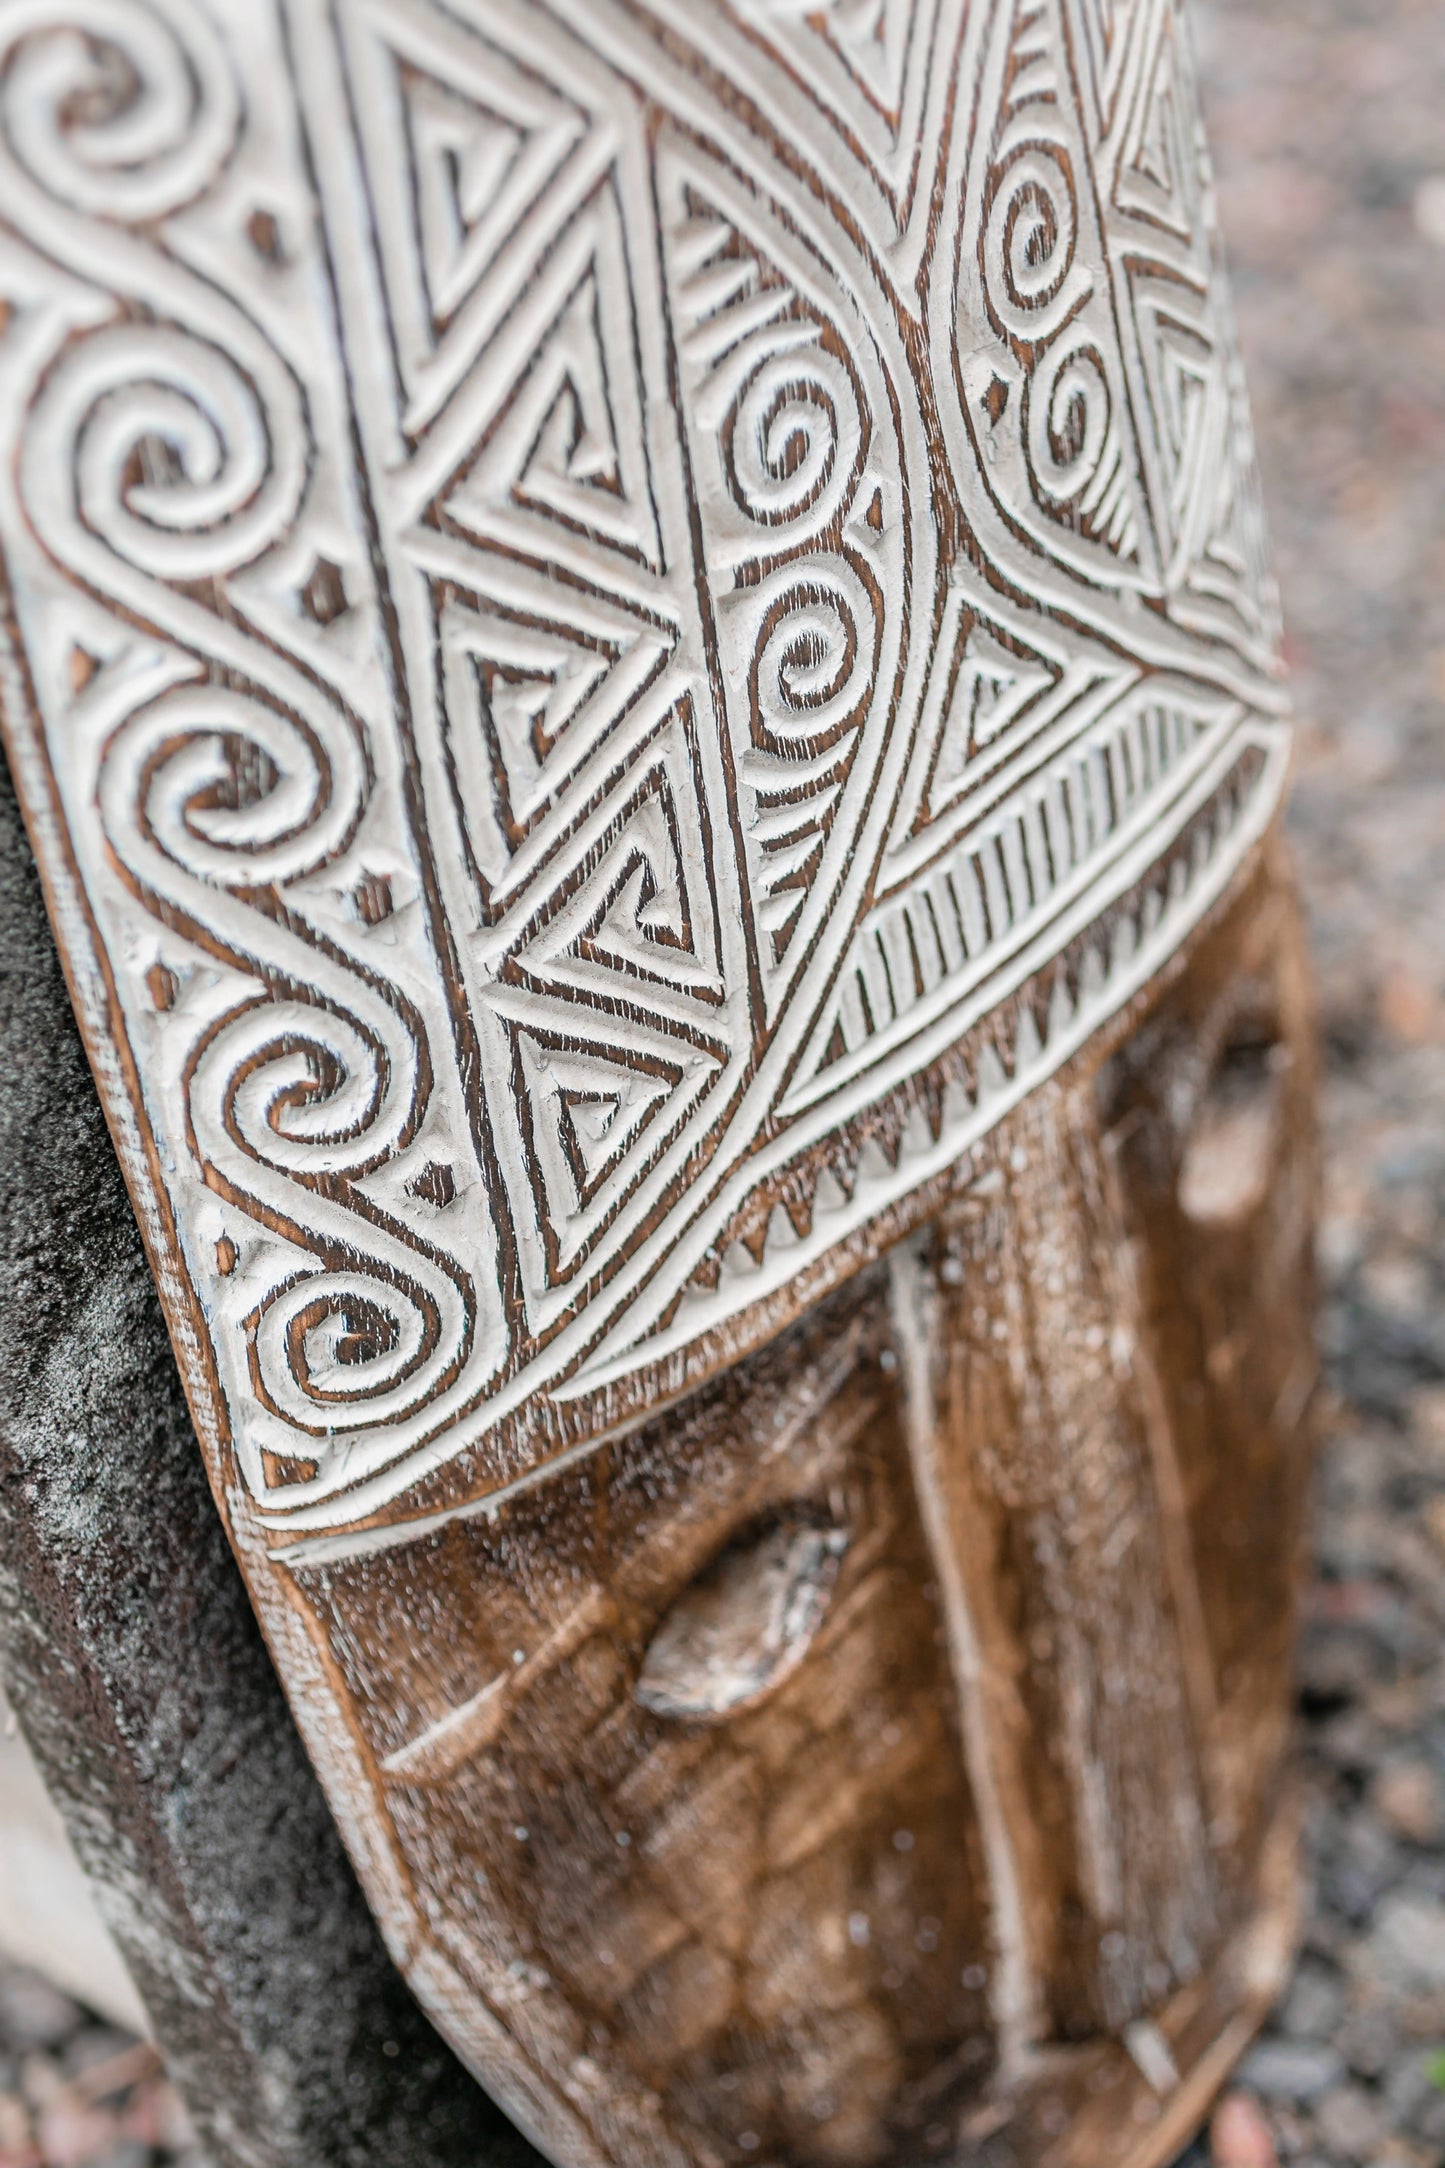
[(1011, 1787)]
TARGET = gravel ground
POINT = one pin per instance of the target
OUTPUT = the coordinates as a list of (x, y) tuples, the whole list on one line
[(1326, 117), (1326, 121)]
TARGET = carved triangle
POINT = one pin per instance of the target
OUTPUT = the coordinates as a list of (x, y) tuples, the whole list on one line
[(463, 156), (568, 448), (867, 61), (462, 150), (990, 691), (640, 929), (1158, 176), (589, 1111), (527, 705), (872, 37), (1189, 402), (596, 1117), (1107, 27)]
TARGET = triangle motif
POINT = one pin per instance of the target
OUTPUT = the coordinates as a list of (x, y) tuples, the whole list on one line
[(566, 461), (463, 157), (589, 1111), (463, 150), (1158, 177), (575, 451), (641, 928), (993, 688), (872, 37), (525, 714), (646, 929), (867, 62), (1107, 27), (526, 707), (1189, 381), (597, 1118)]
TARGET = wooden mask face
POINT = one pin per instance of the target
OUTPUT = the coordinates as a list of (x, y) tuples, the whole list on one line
[(629, 626)]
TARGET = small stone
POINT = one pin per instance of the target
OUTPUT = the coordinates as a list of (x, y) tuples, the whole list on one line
[(33, 2014), (93, 2047), (1366, 1864), (1407, 1798), (1408, 1942), (1422, 2017), (1367, 2042), (1315, 2004), (14, 2126), (1294, 2070), (1434, 1517), (1427, 1419), (1349, 2123), (1239, 2136)]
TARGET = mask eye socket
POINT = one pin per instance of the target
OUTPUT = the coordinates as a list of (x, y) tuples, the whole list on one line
[(746, 1622), (1225, 1173)]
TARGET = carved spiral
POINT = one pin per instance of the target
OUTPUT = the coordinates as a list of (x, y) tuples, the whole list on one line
[(127, 110), (794, 440), (333, 1340), (816, 656), (308, 1091), (214, 798), (319, 1097), (1030, 243), (157, 462), (1069, 413), (157, 445), (232, 789)]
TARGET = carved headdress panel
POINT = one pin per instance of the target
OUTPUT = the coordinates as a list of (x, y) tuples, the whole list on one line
[(625, 622), (605, 598)]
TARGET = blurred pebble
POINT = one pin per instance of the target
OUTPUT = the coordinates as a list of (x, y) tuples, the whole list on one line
[(33, 2014), (1407, 1798), (1239, 2136), (1293, 2070), (1408, 1942), (1349, 2123)]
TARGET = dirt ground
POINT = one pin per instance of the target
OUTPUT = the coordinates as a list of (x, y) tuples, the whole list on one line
[(1328, 122)]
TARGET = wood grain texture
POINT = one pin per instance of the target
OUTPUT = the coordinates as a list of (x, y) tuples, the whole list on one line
[(642, 665)]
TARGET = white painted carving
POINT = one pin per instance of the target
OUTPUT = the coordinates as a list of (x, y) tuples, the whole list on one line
[(563, 661)]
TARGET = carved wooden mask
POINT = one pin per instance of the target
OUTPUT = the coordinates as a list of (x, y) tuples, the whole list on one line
[(630, 620)]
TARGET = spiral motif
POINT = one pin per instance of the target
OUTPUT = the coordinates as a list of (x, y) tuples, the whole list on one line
[(795, 439), (158, 462), (231, 789), (211, 796), (310, 1092), (153, 443), (127, 111), (1030, 243), (1069, 412), (334, 1339), (317, 1097), (816, 656)]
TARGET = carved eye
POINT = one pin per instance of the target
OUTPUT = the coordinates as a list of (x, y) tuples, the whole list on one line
[(745, 1624), (1226, 1169)]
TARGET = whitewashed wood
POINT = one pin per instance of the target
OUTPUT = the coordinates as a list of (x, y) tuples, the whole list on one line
[(637, 417)]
